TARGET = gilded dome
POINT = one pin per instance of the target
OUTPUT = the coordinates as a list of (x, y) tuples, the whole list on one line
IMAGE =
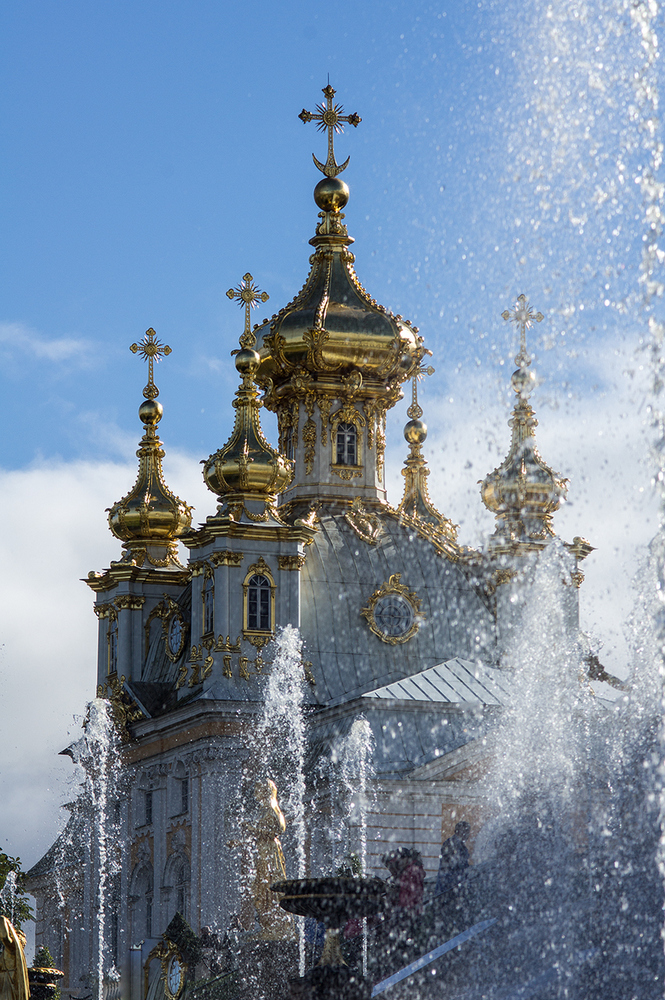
[(523, 491), (333, 326), (150, 518), (247, 466)]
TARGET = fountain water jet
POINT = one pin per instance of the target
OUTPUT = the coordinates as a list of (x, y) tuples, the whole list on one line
[(281, 735)]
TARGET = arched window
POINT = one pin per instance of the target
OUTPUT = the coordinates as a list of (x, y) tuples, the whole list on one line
[(176, 884), (259, 599), (182, 888), (112, 639), (346, 444), (208, 604), (141, 896), (258, 604)]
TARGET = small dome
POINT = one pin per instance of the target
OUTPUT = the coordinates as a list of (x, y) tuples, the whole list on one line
[(523, 491), (247, 466), (150, 513)]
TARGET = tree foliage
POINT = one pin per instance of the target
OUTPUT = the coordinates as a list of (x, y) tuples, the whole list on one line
[(13, 899)]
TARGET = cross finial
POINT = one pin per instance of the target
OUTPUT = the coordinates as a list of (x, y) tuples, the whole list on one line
[(330, 117), (151, 350), (249, 296), (415, 411), (524, 316)]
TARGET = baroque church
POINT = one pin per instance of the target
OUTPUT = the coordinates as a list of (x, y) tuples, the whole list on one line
[(400, 624)]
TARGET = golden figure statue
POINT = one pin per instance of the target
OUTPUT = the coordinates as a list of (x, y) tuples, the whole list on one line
[(276, 925), (13, 967)]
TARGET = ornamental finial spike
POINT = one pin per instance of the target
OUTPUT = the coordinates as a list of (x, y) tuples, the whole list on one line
[(524, 317), (415, 411), (249, 295), (330, 117), (151, 350)]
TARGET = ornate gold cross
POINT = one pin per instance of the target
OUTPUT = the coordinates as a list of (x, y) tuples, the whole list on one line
[(249, 296), (524, 316), (151, 350), (415, 411), (330, 117)]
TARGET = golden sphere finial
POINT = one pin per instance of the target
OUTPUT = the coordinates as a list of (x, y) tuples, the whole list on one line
[(331, 194)]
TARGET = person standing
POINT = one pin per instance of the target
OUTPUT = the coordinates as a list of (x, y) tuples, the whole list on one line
[(454, 859)]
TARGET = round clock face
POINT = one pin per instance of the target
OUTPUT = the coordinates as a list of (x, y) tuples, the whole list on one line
[(175, 636), (174, 976), (393, 615)]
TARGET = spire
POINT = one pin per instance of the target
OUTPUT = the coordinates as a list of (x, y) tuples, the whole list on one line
[(523, 491), (334, 356), (150, 518), (247, 469), (416, 508)]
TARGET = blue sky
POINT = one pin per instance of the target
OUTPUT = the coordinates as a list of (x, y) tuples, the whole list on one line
[(152, 154)]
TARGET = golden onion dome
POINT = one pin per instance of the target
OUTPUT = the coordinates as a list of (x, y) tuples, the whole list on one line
[(523, 491), (247, 467), (332, 326), (150, 518)]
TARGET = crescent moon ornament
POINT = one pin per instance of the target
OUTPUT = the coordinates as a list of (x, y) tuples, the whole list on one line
[(331, 118), (331, 170)]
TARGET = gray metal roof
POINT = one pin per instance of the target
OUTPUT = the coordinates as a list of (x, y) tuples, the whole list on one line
[(453, 681)]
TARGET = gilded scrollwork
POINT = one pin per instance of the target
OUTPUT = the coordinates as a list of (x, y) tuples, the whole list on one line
[(366, 524), (346, 472), (307, 671), (129, 602), (294, 562), (124, 709), (348, 414), (226, 558), (324, 403), (226, 646), (309, 440)]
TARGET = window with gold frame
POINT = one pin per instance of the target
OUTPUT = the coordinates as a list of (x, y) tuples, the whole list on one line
[(259, 600)]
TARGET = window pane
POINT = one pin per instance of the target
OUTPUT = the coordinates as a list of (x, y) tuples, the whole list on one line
[(208, 608), (346, 444), (113, 647), (265, 608), (258, 604)]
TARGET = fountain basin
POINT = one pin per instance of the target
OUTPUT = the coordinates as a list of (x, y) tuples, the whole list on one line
[(43, 982), (333, 900)]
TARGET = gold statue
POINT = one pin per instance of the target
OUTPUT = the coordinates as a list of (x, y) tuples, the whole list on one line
[(276, 925), (13, 967)]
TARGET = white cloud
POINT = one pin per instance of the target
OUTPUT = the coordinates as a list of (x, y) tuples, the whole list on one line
[(55, 531), (19, 337)]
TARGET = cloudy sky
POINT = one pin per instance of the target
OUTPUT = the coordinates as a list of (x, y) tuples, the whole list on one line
[(152, 154)]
